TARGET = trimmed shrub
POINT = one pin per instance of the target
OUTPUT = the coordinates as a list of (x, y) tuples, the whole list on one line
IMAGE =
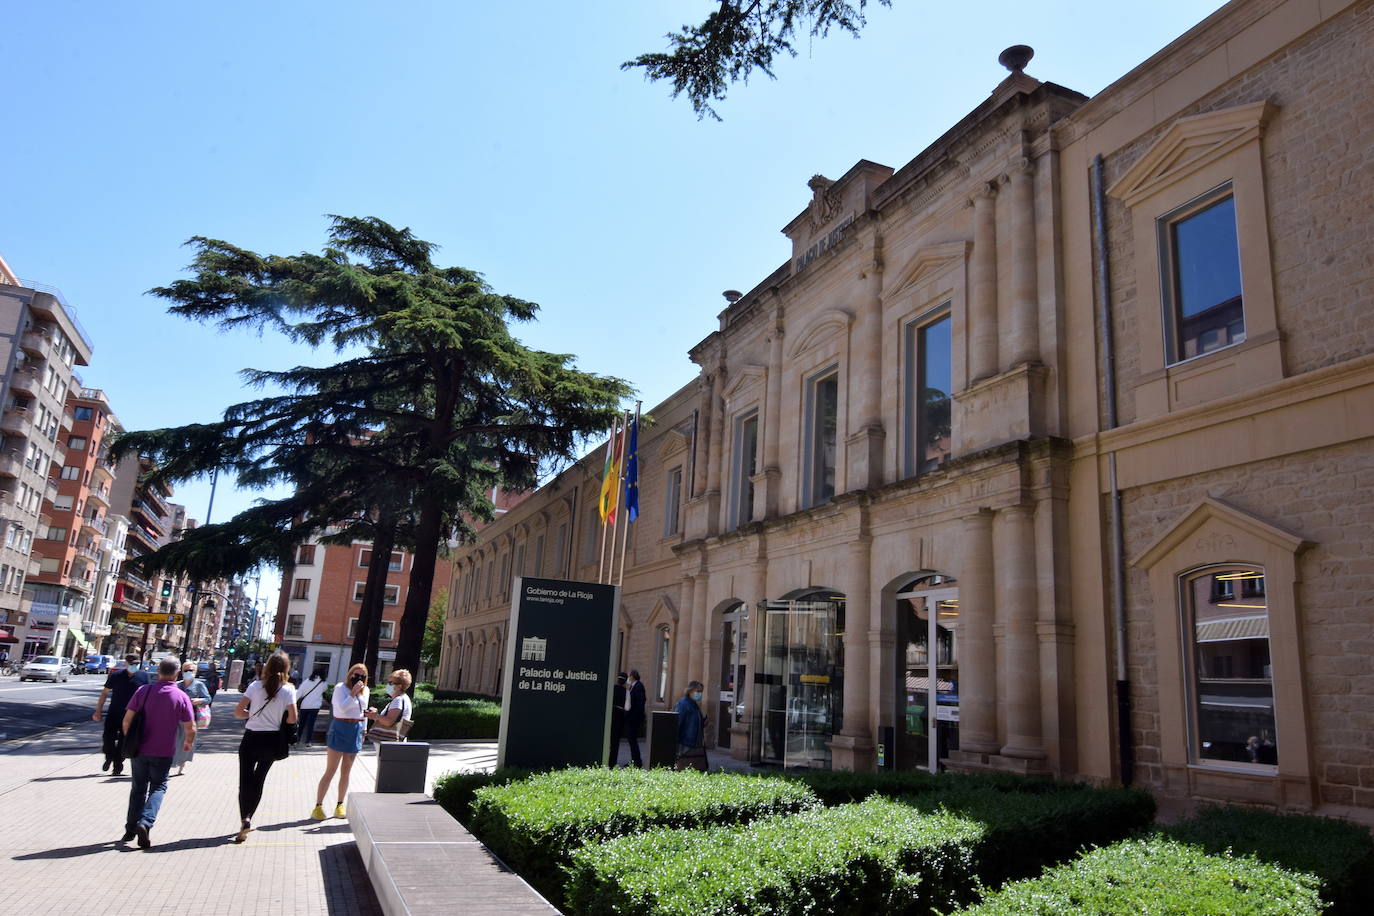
[(875, 857), (1340, 855), (1160, 877), (836, 787), (456, 719), (535, 825), (441, 695), (1025, 832), (455, 791)]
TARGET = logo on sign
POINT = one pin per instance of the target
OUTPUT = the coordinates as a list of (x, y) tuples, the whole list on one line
[(534, 649)]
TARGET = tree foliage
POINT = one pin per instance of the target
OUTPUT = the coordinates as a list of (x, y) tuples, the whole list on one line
[(442, 404), (739, 37), (434, 629)]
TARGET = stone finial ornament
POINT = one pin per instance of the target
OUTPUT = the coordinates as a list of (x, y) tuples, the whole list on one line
[(1016, 57)]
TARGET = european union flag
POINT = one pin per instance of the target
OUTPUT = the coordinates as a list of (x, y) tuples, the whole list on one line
[(632, 474)]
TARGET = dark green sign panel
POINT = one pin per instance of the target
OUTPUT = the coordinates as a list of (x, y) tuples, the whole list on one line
[(559, 657)]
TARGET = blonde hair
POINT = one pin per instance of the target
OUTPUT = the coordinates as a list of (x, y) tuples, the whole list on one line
[(405, 675), (360, 688)]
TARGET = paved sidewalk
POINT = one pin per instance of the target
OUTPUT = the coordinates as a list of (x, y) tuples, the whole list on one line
[(64, 817)]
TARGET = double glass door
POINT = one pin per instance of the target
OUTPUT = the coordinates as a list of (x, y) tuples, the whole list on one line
[(928, 673), (734, 657), (801, 687)]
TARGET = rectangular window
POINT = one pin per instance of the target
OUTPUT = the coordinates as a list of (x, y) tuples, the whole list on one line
[(70, 472), (520, 560), (561, 556), (295, 626), (662, 656), (305, 556), (81, 413), (391, 593), (57, 534), (591, 537), (397, 559), (76, 443), (300, 589), (822, 428), (1200, 257), (385, 632), (744, 467), (1232, 677), (927, 390), (672, 501), (538, 556)]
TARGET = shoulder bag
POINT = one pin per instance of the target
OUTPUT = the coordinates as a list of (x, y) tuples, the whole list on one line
[(133, 735), (396, 732), (287, 733)]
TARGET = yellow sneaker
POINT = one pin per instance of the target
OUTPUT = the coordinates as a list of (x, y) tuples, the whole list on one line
[(339, 810), (318, 813)]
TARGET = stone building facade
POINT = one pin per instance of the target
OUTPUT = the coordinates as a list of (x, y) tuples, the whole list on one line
[(1043, 452)]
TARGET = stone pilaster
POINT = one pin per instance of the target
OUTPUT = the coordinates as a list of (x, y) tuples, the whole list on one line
[(982, 311), (978, 654), (1017, 597), (864, 444), (852, 748), (1024, 339)]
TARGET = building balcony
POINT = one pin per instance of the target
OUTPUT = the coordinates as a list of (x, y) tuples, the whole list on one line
[(36, 344), (95, 527), (11, 464), (135, 579), (100, 495), (16, 421), (25, 380), (59, 456), (50, 490), (129, 604), (140, 538), (68, 420)]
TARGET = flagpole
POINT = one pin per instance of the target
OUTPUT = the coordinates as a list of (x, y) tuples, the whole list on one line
[(601, 554), (620, 580), (619, 467)]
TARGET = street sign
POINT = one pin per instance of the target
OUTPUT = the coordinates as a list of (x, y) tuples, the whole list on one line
[(557, 699), (154, 617)]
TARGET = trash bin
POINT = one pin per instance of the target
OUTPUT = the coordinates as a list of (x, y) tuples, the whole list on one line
[(663, 739), (401, 766)]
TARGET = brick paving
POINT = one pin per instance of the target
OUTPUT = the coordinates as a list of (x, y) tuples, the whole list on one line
[(64, 817)]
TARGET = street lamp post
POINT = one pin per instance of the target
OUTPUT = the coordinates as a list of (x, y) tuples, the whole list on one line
[(195, 586)]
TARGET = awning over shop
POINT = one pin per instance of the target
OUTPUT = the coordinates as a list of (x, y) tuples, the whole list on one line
[(80, 635), (7, 636), (1256, 627)]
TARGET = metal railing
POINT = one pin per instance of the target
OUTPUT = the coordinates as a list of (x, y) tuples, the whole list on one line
[(66, 307)]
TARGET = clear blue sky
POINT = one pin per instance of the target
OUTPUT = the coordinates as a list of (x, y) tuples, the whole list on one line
[(503, 131)]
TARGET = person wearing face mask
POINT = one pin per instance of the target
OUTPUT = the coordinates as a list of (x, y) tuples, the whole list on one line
[(386, 724), (194, 688), (691, 730)]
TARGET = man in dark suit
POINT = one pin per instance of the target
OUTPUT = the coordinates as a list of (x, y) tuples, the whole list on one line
[(634, 717), (617, 718)]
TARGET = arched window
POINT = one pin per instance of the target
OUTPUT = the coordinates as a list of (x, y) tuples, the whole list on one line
[(662, 654)]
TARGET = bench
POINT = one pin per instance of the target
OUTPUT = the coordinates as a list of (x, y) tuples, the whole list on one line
[(421, 861)]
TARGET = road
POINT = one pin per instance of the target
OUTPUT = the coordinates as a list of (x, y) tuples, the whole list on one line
[(34, 706)]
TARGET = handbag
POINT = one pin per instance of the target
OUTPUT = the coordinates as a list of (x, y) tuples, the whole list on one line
[(203, 716), (694, 758), (287, 734), (397, 732)]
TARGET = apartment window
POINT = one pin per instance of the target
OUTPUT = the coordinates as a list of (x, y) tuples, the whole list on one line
[(300, 588), (1231, 676), (744, 467), (56, 534), (1200, 258), (295, 626), (70, 472), (305, 555), (391, 594), (822, 427), (81, 413), (927, 390), (397, 559), (76, 443), (385, 632), (672, 502)]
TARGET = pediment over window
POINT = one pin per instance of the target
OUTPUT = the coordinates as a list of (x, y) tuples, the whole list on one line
[(663, 614), (746, 379), (674, 441), (1188, 145), (1216, 532), (928, 263), (827, 324)]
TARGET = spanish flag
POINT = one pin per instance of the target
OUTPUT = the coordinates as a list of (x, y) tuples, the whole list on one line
[(610, 482)]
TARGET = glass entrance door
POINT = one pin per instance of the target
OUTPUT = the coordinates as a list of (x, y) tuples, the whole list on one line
[(800, 692), (734, 655), (928, 678)]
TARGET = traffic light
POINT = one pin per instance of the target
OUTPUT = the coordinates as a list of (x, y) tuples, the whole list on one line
[(166, 588), (232, 650)]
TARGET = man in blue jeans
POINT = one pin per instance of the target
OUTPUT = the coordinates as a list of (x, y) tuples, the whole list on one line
[(167, 717)]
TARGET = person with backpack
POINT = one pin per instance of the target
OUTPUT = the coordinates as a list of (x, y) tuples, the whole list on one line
[(268, 705)]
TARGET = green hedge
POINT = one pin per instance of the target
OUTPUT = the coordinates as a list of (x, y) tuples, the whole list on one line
[(877, 857), (1024, 832), (1160, 877), (535, 824), (456, 719), (837, 787), (1338, 854), (455, 791)]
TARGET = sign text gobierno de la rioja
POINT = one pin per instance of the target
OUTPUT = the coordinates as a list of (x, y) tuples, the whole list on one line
[(559, 655)]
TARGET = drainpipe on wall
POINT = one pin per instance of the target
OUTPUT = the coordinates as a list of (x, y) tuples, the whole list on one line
[(1104, 305)]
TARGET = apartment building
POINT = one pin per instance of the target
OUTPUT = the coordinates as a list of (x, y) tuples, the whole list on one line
[(73, 543), (151, 519), (42, 345), (1045, 451)]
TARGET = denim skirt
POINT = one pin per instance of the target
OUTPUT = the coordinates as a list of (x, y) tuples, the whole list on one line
[(345, 737)]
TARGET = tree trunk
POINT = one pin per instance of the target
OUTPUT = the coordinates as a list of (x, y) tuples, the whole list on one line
[(374, 593), (428, 533)]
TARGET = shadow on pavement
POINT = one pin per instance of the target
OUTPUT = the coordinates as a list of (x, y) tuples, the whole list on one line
[(71, 852), (347, 891)]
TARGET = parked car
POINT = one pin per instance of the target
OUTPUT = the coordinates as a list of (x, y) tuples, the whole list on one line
[(46, 668), (99, 664)]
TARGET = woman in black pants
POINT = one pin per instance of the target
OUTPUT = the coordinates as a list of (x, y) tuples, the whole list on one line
[(266, 704)]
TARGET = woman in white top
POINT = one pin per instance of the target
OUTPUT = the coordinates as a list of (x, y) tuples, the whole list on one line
[(385, 724), (347, 712), (310, 697), (266, 704)]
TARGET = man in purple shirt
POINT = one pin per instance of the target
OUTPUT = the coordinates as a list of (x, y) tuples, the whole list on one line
[(167, 717)]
